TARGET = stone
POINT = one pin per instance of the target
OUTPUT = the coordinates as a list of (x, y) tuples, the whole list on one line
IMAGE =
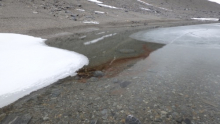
[(46, 118), (93, 122), (55, 93), (124, 84), (104, 114), (98, 74), (187, 121), (74, 18), (157, 118), (119, 107), (132, 120), (105, 111), (93, 79), (115, 81), (163, 114)]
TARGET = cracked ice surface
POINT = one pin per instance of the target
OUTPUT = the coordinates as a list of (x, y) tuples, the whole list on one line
[(206, 34)]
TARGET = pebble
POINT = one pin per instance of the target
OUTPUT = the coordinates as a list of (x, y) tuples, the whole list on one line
[(93, 122), (93, 79), (119, 107), (45, 118), (125, 84), (98, 74), (187, 121), (104, 114), (163, 114)]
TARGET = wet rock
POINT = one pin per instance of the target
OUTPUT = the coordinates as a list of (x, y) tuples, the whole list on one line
[(2, 116), (98, 74), (124, 84), (126, 51)]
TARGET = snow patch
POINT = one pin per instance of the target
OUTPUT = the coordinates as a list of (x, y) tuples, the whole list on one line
[(145, 9), (100, 33), (108, 6), (95, 1), (90, 22), (206, 19), (82, 37), (164, 9), (28, 64), (98, 39), (100, 12), (153, 5), (82, 10), (144, 3)]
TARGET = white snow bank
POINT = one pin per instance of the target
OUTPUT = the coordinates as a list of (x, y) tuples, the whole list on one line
[(206, 19), (90, 22), (216, 1), (98, 39), (28, 64), (95, 1)]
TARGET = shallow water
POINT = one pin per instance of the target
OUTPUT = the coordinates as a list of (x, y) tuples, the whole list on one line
[(105, 48)]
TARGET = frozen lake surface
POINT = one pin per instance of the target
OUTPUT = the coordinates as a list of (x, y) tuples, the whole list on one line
[(200, 35)]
